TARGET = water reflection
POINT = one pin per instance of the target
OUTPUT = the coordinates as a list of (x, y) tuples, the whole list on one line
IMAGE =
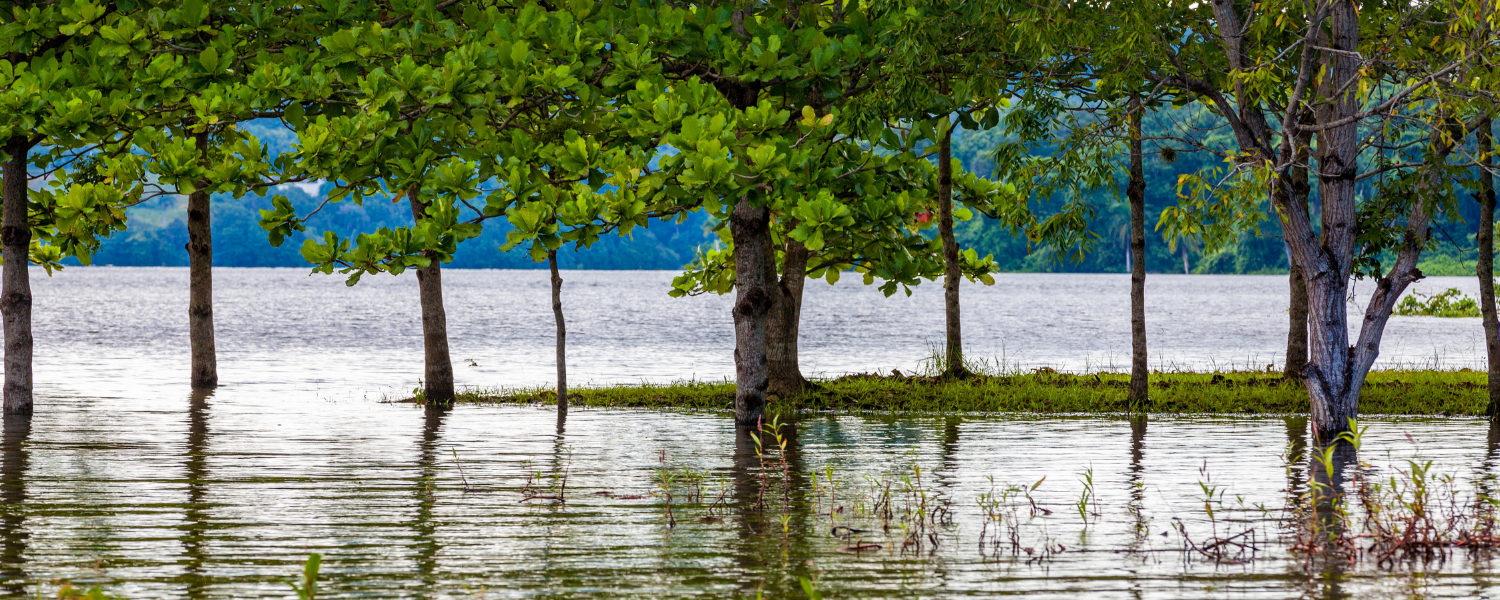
[(13, 530), (425, 544), (1295, 457), (195, 509), (1136, 478), (1332, 466), (375, 488)]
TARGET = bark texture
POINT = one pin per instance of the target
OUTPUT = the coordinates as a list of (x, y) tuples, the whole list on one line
[(200, 249), (1486, 267), (15, 280), (783, 326), (755, 285), (954, 355), (1136, 192), (756, 292), (1296, 337), (438, 383), (1332, 385), (562, 334)]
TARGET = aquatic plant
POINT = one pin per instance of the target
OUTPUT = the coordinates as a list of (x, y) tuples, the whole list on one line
[(1087, 503), (68, 592), (308, 590), (1447, 303), (557, 487)]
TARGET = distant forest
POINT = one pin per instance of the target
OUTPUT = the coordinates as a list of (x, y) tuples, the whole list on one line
[(157, 231)]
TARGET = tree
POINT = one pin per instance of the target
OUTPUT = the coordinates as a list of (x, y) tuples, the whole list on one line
[(1290, 70), (59, 87), (518, 112), (194, 66), (1485, 238), (750, 162), (388, 121)]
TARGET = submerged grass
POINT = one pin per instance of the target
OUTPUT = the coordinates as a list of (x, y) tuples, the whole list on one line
[(1044, 391)]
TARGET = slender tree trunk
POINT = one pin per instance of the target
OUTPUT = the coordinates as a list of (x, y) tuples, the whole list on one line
[(784, 323), (755, 295), (951, 274), (1185, 269), (1486, 267), (1296, 337), (1136, 192), (439, 365), (562, 334), (200, 250), (15, 297)]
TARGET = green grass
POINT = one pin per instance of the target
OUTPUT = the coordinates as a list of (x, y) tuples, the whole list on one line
[(1413, 392)]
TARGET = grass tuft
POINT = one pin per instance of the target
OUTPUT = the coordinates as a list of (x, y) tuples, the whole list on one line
[(1042, 391)]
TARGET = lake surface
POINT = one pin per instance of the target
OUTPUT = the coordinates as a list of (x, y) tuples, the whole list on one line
[(126, 479), (125, 329)]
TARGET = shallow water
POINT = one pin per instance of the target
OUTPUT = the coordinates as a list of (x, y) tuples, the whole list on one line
[(125, 479), (223, 496)]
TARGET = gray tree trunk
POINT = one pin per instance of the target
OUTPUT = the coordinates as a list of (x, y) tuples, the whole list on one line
[(438, 384), (1486, 267), (1136, 192), (15, 289), (1332, 379), (562, 334), (200, 249), (756, 293), (784, 324), (1336, 370), (952, 275)]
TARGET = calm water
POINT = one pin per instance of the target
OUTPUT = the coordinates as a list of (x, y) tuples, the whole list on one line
[(125, 329), (125, 479)]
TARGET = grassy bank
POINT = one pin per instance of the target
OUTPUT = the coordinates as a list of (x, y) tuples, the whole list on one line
[(1451, 393)]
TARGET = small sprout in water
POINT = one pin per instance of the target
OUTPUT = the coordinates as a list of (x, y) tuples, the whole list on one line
[(309, 588)]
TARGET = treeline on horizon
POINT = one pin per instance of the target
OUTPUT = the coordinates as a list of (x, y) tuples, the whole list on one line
[(157, 231)]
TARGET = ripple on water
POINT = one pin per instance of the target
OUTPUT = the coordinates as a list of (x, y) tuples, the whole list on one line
[(222, 496)]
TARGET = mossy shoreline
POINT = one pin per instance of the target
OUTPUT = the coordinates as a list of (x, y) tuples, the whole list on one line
[(1395, 392)]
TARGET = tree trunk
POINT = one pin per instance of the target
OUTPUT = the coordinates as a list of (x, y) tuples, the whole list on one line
[(1296, 337), (1332, 384), (755, 295), (200, 250), (562, 334), (954, 356), (15, 289), (1486, 267), (438, 385), (1136, 192), (784, 323)]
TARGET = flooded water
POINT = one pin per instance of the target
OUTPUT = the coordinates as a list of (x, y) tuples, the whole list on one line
[(127, 480), (223, 496)]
